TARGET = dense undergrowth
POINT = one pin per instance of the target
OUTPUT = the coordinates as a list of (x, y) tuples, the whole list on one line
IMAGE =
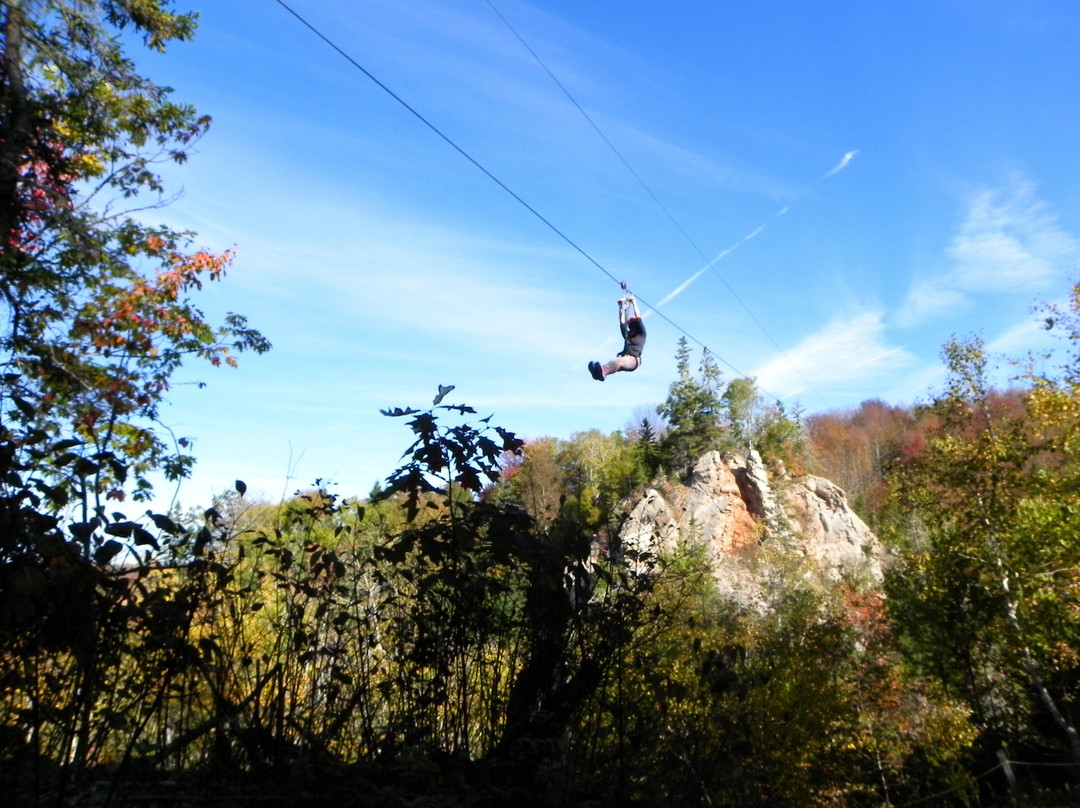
[(435, 646)]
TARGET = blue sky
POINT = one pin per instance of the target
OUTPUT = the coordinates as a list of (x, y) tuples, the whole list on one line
[(821, 193)]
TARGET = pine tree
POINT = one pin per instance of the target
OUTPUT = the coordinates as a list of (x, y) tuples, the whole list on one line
[(692, 410), (649, 446)]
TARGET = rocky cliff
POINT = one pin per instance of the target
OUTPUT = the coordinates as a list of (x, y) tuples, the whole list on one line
[(749, 522)]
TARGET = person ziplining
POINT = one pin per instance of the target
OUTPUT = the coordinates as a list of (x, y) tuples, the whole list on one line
[(633, 333)]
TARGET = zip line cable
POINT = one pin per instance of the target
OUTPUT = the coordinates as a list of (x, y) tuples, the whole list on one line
[(708, 264), (592, 123), (501, 184), (444, 137)]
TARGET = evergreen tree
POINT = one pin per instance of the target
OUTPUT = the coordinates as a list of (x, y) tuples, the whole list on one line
[(649, 446), (692, 410)]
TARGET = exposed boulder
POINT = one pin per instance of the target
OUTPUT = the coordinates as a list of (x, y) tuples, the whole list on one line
[(710, 509), (830, 531), (746, 520)]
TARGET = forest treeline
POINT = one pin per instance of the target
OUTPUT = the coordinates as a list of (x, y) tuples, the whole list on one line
[(472, 633)]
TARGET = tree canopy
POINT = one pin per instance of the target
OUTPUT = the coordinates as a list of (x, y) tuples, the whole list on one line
[(98, 314), (97, 303), (692, 409)]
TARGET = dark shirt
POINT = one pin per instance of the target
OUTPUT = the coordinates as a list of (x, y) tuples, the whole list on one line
[(633, 345)]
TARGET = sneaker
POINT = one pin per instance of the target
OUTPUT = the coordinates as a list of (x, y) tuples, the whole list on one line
[(596, 371)]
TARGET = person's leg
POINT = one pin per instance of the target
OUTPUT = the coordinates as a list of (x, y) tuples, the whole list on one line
[(625, 362)]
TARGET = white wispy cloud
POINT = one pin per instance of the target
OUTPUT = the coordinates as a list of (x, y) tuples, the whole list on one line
[(844, 162), (930, 298), (842, 351), (1008, 242)]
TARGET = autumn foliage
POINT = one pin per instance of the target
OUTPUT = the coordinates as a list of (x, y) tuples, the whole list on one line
[(472, 633)]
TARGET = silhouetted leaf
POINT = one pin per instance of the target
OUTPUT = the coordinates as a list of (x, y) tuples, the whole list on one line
[(397, 412), (423, 424), (469, 479), (119, 468), (144, 537), (25, 407), (121, 529), (57, 495), (395, 553), (166, 524), (107, 551), (83, 530), (202, 538), (86, 468), (511, 442), (339, 675)]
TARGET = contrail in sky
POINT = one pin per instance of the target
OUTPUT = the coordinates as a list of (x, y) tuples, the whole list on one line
[(844, 162), (682, 286), (847, 158)]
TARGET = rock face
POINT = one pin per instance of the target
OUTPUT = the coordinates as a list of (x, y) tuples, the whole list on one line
[(710, 510), (832, 533), (742, 518)]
